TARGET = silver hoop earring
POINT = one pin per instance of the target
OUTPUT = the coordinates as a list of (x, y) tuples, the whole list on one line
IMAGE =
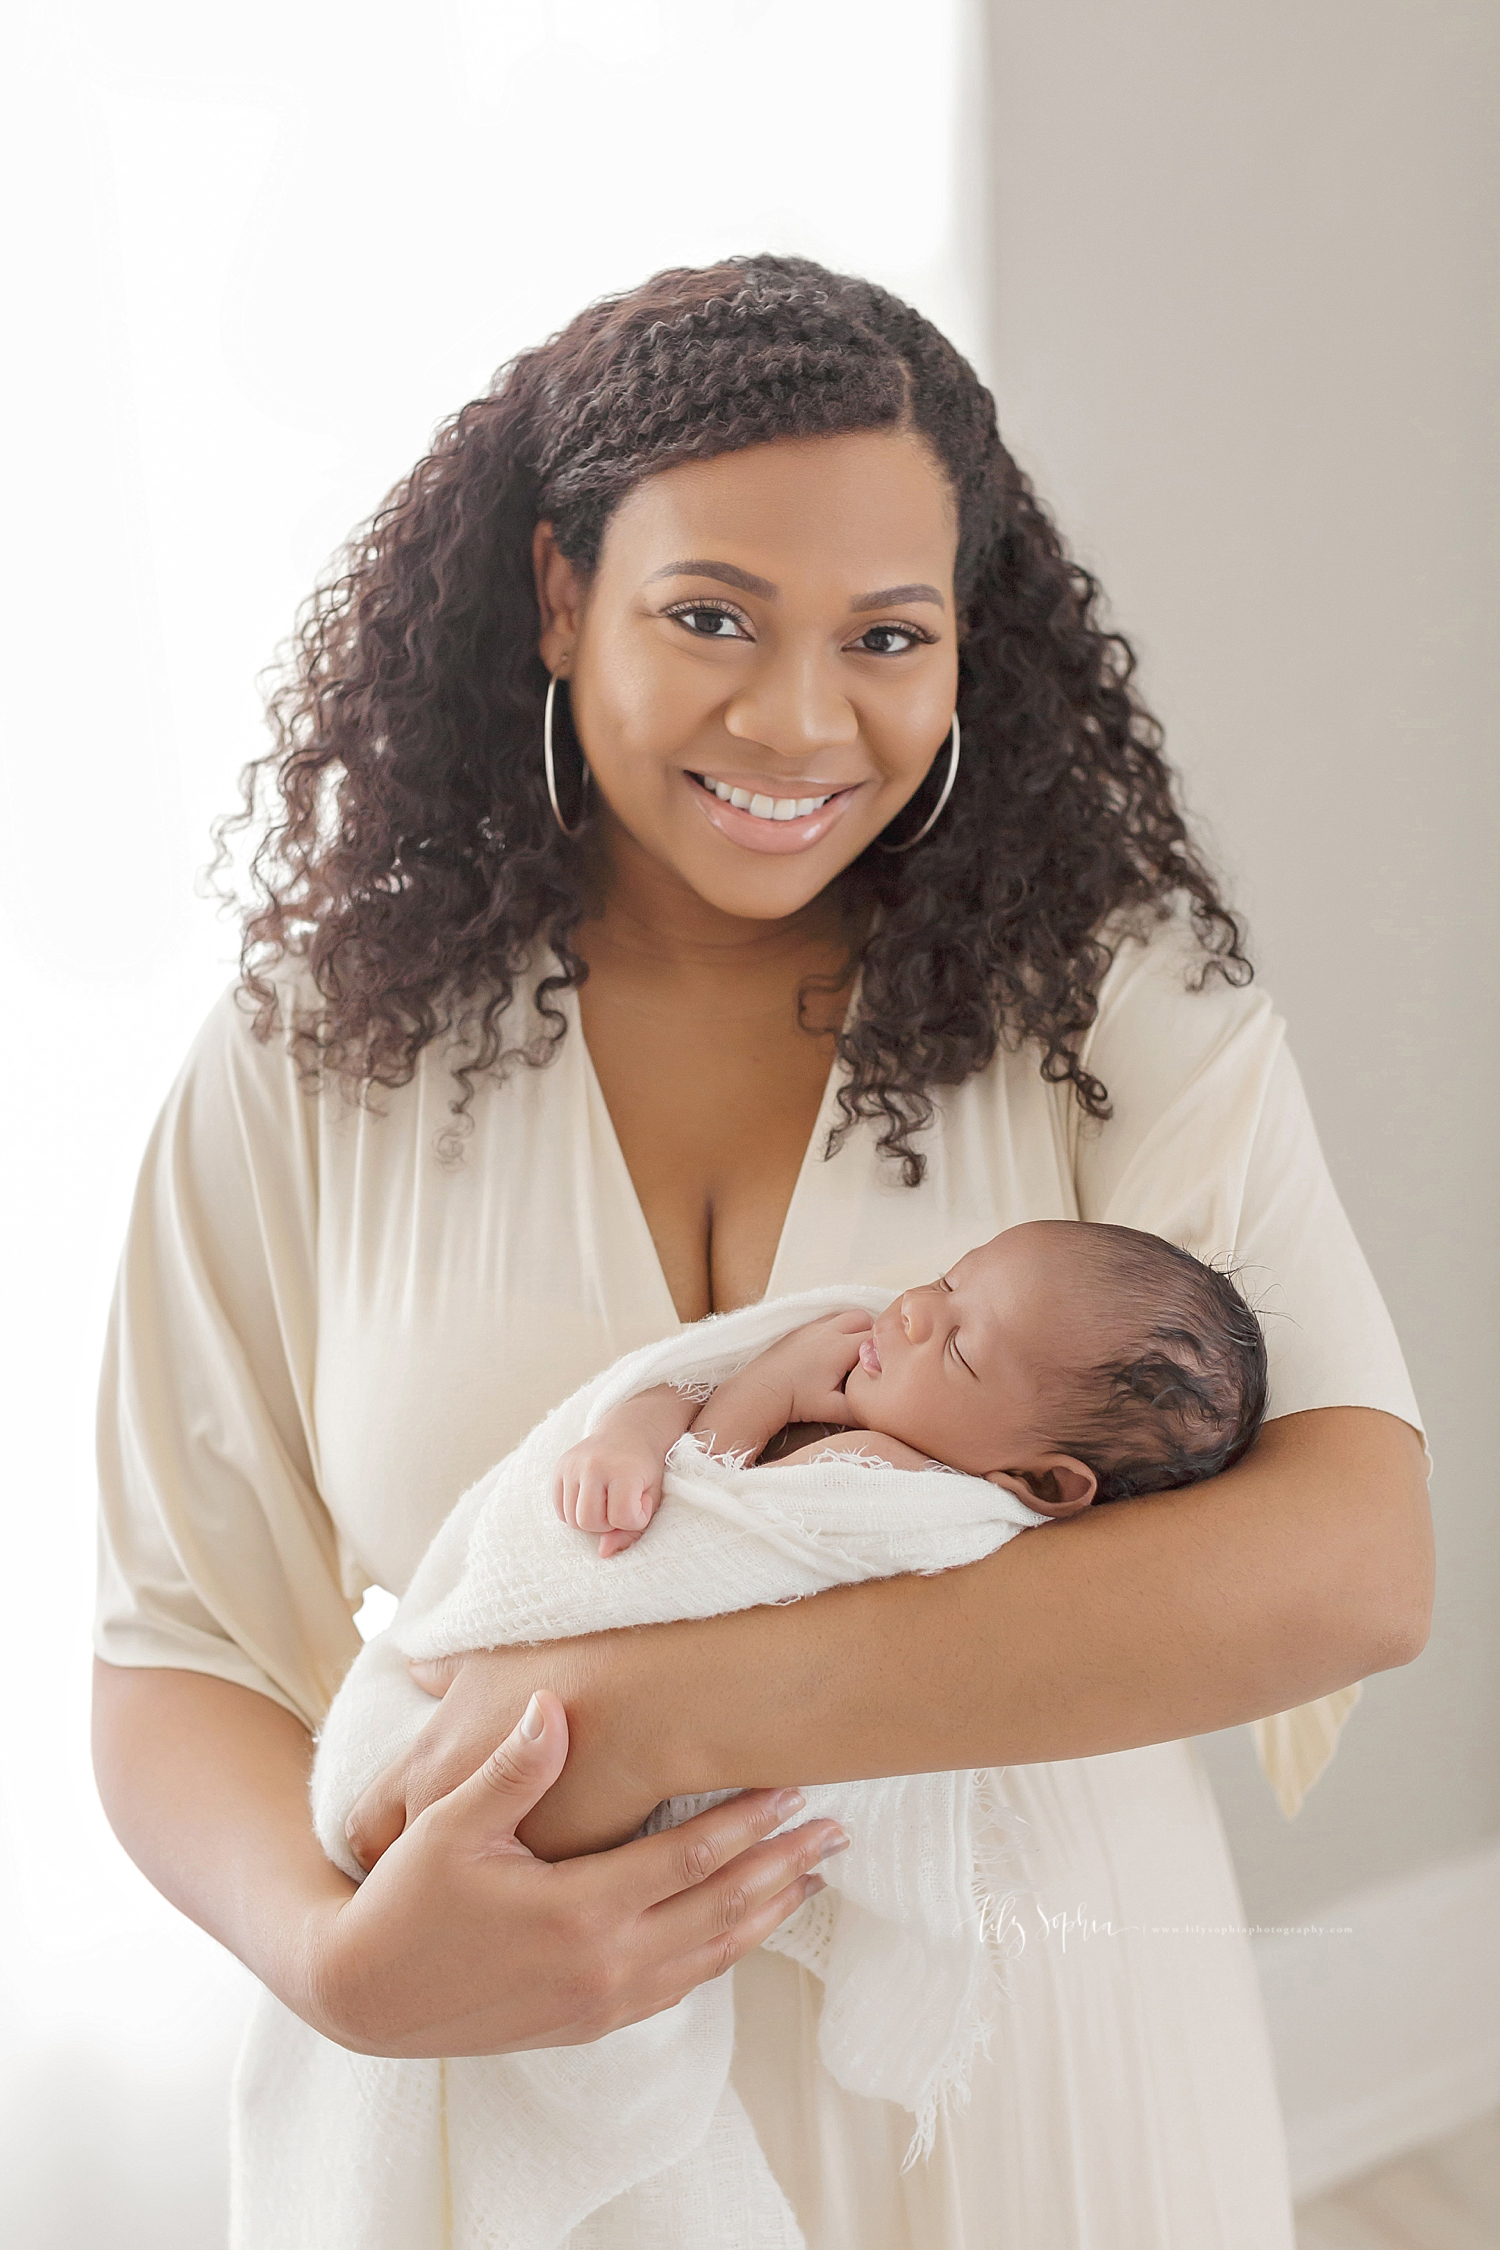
[(551, 770), (953, 741)]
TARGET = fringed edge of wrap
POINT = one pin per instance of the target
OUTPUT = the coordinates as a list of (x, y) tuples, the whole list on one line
[(1000, 1837), (1294, 1747)]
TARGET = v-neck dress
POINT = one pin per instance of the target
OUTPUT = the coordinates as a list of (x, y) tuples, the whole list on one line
[(331, 1319)]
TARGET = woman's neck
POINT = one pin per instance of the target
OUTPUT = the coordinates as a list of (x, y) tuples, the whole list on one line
[(647, 911)]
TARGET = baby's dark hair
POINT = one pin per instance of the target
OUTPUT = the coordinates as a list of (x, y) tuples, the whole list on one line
[(1187, 1394)]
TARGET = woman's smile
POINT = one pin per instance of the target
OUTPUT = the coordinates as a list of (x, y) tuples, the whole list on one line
[(766, 816)]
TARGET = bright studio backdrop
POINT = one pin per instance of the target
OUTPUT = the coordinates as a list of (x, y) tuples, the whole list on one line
[(1225, 270), (263, 253)]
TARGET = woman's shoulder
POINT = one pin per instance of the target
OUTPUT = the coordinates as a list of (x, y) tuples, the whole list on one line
[(1168, 1005), (263, 1044)]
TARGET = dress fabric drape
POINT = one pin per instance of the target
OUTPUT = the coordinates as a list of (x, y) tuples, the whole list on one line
[(330, 1321)]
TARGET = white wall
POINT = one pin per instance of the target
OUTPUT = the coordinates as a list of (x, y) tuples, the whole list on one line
[(259, 254), (1243, 303)]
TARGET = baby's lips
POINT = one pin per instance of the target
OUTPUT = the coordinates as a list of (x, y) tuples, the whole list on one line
[(869, 1355)]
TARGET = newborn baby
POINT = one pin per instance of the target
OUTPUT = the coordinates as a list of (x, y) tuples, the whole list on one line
[(1072, 1362)]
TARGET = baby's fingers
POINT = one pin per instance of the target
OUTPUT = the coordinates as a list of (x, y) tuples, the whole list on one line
[(592, 1512), (632, 1503), (616, 1542)]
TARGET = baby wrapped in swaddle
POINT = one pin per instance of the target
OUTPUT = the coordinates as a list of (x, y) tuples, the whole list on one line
[(1073, 1362), (1060, 1364)]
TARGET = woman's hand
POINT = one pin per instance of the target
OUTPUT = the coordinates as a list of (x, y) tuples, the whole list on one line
[(460, 1942), (599, 1799)]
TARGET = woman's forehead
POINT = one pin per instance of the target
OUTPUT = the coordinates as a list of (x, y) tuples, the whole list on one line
[(869, 506)]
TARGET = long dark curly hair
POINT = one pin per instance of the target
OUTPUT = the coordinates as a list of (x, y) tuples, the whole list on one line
[(408, 860)]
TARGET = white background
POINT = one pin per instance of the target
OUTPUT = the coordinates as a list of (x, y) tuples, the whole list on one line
[(260, 254)]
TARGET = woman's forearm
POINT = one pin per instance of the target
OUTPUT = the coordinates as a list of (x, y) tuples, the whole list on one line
[(205, 1784), (1307, 1566), (461, 1942)]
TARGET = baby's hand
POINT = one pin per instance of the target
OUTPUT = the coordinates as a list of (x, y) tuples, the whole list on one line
[(609, 1484), (821, 1356)]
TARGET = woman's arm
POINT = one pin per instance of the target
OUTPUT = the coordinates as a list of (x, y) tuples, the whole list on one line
[(1305, 1567), (461, 1942)]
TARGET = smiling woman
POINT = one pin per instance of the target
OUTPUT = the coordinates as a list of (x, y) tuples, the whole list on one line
[(785, 723), (649, 1053), (901, 590)]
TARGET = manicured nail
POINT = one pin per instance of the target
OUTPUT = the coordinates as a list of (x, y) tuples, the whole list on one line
[(838, 1842), (811, 1885), (533, 1720), (790, 1801)]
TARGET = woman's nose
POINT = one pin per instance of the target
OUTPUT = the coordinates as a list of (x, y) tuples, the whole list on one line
[(793, 709)]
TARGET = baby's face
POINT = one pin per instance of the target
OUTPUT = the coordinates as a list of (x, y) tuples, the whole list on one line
[(965, 1367)]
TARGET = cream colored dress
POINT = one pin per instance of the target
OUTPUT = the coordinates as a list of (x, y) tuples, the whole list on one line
[(326, 1329)]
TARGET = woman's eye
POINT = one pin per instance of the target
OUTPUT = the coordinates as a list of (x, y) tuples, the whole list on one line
[(708, 622), (891, 640)]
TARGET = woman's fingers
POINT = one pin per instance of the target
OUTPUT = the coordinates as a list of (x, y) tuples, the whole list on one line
[(381, 1813), (702, 1931), (685, 1861), (496, 1799), (724, 1947), (379, 1816)]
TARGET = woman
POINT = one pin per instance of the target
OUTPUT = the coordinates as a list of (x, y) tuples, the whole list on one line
[(832, 915)]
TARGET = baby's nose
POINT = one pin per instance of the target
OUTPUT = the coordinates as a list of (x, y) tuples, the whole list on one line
[(916, 1316)]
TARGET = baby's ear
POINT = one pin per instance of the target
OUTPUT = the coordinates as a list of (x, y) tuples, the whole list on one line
[(1057, 1485)]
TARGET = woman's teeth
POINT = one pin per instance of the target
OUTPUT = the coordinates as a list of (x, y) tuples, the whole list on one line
[(764, 808)]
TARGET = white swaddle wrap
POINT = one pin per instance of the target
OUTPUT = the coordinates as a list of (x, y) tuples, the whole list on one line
[(638, 2139)]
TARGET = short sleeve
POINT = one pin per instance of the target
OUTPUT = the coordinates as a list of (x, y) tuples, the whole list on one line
[(216, 1552), (1212, 1145)]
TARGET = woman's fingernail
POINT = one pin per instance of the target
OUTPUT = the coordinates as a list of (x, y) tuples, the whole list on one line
[(790, 1801), (837, 1842), (349, 1827), (811, 1885), (533, 1720)]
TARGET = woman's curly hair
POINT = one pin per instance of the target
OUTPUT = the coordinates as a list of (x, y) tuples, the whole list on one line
[(410, 863)]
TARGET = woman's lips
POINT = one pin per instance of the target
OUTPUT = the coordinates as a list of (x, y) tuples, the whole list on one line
[(869, 1356), (758, 834)]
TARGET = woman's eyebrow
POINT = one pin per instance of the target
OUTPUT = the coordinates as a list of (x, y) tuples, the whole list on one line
[(890, 594), (730, 574)]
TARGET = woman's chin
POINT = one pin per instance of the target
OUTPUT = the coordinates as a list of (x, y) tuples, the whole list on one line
[(757, 887)]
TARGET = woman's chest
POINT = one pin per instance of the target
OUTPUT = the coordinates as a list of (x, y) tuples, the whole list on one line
[(713, 1117), (460, 1300)]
